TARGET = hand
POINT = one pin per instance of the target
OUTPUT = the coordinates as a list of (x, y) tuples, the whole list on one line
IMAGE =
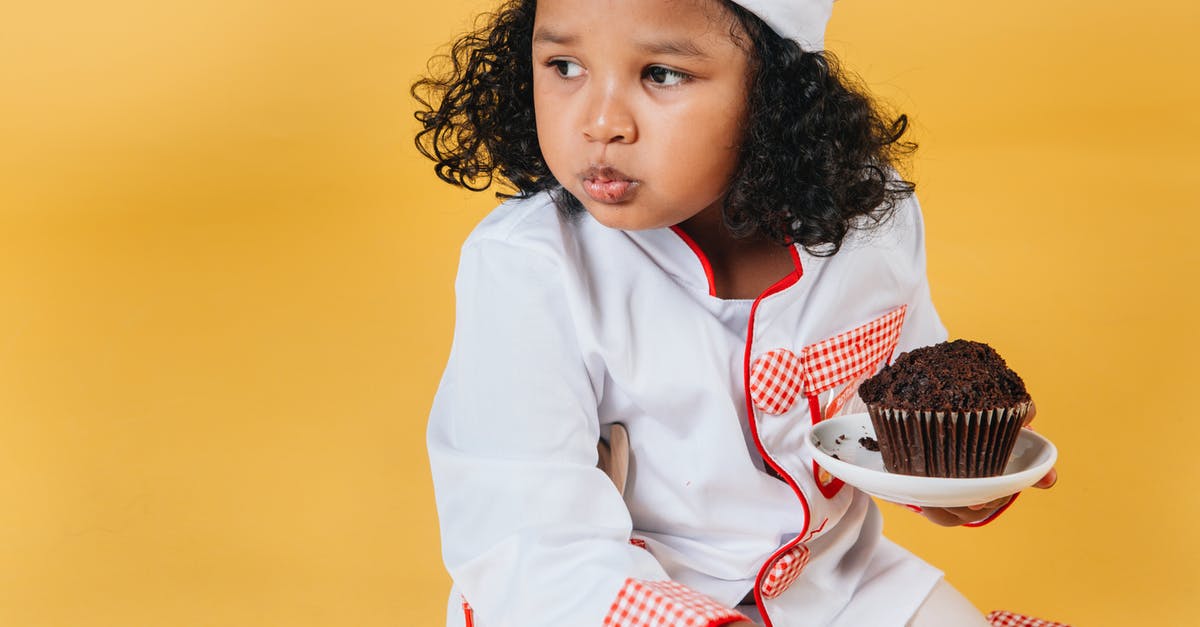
[(954, 516)]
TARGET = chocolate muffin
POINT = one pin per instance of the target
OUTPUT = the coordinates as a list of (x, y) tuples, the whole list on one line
[(949, 410)]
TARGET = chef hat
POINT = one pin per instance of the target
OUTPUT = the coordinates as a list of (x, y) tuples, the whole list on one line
[(801, 20)]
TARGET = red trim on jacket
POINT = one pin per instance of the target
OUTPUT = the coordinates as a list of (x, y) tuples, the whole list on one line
[(708, 271), (779, 286), (468, 614), (835, 485)]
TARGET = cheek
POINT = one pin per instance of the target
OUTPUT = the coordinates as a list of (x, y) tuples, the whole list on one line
[(702, 145), (549, 128)]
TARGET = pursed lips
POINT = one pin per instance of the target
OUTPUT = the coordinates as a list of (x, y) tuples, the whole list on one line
[(607, 184)]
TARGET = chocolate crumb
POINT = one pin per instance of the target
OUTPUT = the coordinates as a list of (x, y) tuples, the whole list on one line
[(869, 443)]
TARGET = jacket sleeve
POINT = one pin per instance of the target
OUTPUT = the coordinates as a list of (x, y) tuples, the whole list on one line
[(922, 325), (533, 533)]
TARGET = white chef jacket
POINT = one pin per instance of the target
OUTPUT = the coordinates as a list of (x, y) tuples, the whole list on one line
[(563, 326)]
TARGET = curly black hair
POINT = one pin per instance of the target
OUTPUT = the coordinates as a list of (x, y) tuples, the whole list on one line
[(818, 156)]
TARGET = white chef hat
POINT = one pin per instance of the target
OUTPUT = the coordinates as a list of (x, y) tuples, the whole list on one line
[(801, 20)]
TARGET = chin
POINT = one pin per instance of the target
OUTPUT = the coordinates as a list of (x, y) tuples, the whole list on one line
[(622, 217), (626, 216)]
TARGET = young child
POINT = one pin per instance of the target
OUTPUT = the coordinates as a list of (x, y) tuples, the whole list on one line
[(709, 244)]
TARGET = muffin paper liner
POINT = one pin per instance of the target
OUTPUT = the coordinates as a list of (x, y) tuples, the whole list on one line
[(947, 444)]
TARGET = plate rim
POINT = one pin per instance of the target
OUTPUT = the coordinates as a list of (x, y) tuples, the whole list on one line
[(926, 484)]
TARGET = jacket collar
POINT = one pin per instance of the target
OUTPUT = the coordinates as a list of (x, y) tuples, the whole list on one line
[(678, 255)]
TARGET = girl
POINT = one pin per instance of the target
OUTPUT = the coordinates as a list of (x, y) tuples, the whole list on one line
[(709, 246)]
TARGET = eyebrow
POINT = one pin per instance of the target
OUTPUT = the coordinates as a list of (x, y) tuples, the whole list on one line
[(673, 47), (544, 35)]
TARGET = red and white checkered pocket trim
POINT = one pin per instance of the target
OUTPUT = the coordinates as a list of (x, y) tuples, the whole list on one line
[(1000, 618), (666, 603), (847, 355), (778, 377), (775, 381), (784, 571)]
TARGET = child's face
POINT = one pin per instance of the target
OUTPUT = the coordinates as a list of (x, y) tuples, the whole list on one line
[(639, 105)]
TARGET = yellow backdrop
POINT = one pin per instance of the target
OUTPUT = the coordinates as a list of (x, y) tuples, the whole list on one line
[(226, 299)]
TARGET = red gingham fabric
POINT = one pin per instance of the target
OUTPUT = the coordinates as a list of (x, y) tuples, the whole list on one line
[(666, 604), (778, 377), (784, 571), (1000, 618), (775, 381), (836, 360)]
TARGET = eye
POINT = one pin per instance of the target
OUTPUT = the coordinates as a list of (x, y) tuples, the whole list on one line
[(566, 69), (664, 76)]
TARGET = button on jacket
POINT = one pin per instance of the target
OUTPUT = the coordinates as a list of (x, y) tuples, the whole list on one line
[(564, 326)]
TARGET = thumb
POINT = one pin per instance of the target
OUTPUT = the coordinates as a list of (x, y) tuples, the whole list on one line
[(1048, 481)]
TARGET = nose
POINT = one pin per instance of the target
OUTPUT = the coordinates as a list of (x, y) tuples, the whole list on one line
[(610, 121)]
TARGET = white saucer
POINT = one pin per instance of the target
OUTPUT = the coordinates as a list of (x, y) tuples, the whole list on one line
[(1032, 457)]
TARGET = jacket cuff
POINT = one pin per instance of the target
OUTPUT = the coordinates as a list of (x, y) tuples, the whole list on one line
[(666, 604)]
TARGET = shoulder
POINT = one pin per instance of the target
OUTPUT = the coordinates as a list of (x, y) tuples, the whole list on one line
[(897, 238), (534, 223), (890, 253), (528, 231), (522, 237)]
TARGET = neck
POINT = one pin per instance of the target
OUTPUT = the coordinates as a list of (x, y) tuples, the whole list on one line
[(708, 230), (741, 268)]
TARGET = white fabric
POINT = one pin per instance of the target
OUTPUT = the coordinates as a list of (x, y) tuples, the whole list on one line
[(566, 325), (947, 607), (801, 20), (887, 564)]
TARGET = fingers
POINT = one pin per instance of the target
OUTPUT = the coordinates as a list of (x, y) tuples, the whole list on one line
[(990, 504), (1048, 481), (954, 516), (942, 516)]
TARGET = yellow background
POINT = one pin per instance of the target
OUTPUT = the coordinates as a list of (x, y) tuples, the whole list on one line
[(226, 299)]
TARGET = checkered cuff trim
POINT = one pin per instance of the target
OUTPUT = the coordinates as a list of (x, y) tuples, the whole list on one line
[(784, 571), (666, 604), (1001, 618), (778, 377), (845, 356)]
